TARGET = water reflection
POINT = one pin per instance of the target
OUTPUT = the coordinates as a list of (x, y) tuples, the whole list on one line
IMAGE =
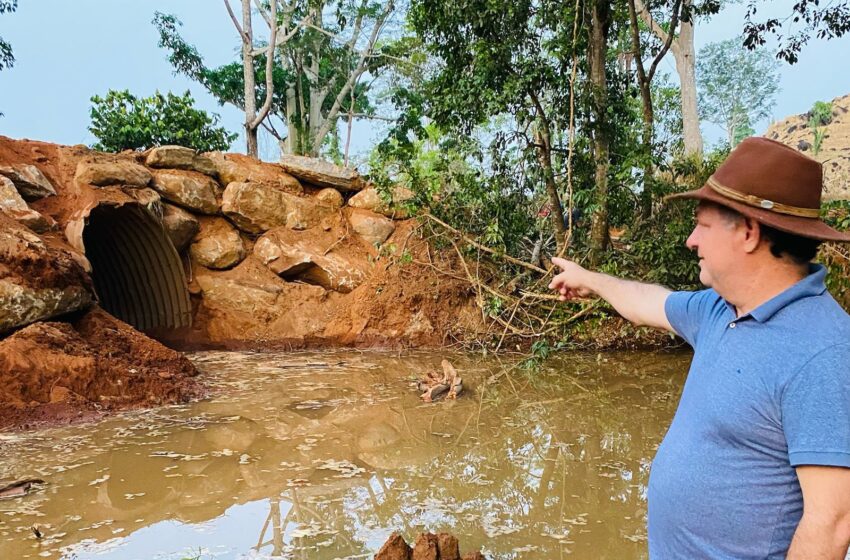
[(323, 455)]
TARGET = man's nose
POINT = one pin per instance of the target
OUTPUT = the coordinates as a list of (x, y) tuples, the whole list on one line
[(691, 242)]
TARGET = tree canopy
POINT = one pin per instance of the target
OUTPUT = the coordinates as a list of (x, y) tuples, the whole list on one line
[(122, 121), (829, 21), (321, 52), (737, 86)]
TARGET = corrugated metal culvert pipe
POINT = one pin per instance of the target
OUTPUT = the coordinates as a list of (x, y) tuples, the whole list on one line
[(137, 273)]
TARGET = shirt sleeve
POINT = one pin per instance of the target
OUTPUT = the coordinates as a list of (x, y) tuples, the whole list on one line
[(688, 311), (816, 410)]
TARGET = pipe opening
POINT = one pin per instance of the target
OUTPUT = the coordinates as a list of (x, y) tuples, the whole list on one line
[(137, 273)]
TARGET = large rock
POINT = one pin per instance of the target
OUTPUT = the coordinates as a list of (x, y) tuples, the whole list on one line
[(426, 547), (311, 258), (148, 198), (394, 549), (370, 199), (180, 225), (14, 206), (29, 181), (189, 189), (239, 168), (373, 228), (330, 197), (180, 157), (250, 303), (37, 281), (103, 172), (322, 173), (259, 207), (217, 245), (246, 296)]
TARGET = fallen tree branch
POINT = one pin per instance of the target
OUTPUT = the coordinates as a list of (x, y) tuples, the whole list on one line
[(481, 247)]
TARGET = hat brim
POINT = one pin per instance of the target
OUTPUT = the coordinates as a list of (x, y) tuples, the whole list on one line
[(812, 228)]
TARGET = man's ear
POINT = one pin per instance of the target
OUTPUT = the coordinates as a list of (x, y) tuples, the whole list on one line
[(752, 234)]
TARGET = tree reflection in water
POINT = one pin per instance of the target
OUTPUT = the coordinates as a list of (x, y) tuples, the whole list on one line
[(546, 464)]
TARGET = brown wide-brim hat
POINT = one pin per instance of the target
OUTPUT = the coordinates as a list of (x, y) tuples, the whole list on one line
[(773, 184)]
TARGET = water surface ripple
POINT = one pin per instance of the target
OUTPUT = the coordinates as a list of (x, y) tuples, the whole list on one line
[(322, 455)]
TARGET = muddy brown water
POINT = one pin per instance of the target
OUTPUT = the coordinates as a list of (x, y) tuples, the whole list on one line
[(323, 455)]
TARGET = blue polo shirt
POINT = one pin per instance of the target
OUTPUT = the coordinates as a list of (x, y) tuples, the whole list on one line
[(766, 392)]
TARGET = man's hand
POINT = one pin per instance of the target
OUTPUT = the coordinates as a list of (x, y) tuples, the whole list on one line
[(642, 304), (570, 282)]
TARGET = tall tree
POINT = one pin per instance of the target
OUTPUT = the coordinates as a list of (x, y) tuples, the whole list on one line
[(501, 59), (599, 16), (644, 80), (323, 48), (253, 118), (682, 46), (737, 86)]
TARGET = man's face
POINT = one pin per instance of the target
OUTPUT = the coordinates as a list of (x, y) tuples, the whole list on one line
[(716, 239)]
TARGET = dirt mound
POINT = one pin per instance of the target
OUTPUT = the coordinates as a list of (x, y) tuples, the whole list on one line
[(834, 149), (52, 372)]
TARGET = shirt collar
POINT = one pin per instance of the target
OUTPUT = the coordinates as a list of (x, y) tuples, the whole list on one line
[(811, 285)]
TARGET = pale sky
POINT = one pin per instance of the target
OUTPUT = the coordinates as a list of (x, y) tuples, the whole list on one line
[(67, 52)]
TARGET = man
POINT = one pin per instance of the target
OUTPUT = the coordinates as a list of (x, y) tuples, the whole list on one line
[(756, 463)]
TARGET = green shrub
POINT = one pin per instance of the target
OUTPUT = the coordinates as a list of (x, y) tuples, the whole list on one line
[(122, 121), (819, 116)]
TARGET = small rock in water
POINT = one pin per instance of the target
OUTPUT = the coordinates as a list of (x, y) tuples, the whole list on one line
[(428, 546), (434, 385), (19, 488), (394, 549)]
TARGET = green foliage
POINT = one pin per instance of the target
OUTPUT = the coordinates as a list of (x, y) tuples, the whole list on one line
[(7, 58), (835, 256), (540, 351), (743, 129), (122, 121), (808, 18), (819, 116), (820, 113), (294, 75), (736, 86), (446, 173)]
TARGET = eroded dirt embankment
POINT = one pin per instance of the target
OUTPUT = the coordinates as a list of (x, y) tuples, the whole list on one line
[(56, 372)]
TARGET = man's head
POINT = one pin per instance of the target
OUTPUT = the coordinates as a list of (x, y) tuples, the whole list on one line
[(733, 247), (773, 185)]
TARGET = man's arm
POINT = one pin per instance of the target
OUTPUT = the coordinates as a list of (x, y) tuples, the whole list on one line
[(642, 304), (824, 530)]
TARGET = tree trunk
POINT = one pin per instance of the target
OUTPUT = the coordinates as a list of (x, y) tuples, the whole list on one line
[(648, 114), (597, 51), (544, 156), (248, 75), (683, 51)]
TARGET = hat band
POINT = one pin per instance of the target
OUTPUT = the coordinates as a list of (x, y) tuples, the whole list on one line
[(762, 203)]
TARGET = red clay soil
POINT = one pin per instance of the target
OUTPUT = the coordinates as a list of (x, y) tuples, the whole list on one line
[(55, 373), (428, 546)]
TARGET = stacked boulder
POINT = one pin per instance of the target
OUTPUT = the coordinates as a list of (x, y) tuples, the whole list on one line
[(266, 243), (22, 183), (298, 252), (226, 208)]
